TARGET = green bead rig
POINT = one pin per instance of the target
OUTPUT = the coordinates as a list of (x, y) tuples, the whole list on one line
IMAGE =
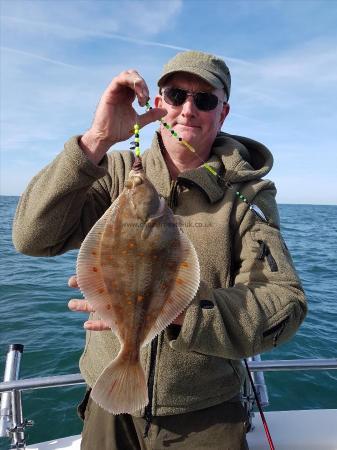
[(136, 147)]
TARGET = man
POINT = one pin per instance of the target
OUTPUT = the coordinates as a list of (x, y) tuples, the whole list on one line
[(250, 298)]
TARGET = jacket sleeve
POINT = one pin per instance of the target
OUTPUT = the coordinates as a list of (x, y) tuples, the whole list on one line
[(62, 203), (266, 304)]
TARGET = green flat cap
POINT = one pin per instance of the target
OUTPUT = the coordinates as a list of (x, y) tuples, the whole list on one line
[(206, 66)]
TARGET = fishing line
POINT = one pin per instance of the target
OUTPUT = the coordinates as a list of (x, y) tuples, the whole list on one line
[(135, 145)]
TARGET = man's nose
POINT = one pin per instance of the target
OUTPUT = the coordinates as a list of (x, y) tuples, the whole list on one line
[(189, 106)]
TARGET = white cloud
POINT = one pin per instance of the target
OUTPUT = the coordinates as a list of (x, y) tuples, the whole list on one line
[(140, 18), (40, 57)]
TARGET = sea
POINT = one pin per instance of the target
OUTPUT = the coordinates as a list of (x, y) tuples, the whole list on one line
[(34, 297)]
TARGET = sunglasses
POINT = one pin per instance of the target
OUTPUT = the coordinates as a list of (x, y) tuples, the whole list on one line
[(204, 101)]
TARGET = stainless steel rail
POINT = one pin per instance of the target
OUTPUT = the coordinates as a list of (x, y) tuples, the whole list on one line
[(42, 382), (254, 366), (11, 418), (293, 364)]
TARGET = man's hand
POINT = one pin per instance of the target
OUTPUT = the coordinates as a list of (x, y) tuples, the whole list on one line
[(84, 306), (115, 116), (99, 325)]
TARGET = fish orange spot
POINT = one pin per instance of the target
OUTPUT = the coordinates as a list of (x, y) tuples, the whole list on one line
[(124, 252), (101, 291), (108, 307), (184, 264), (131, 244), (129, 303), (94, 269), (94, 253), (180, 281), (140, 298), (140, 254)]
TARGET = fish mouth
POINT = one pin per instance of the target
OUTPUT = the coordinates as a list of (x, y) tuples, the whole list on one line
[(137, 165)]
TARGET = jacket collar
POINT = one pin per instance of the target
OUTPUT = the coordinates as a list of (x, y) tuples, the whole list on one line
[(158, 173), (235, 159)]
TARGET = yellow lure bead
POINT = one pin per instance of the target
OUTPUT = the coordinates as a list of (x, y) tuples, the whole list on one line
[(189, 146), (210, 169)]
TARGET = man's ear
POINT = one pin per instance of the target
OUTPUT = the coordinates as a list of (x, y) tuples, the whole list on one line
[(158, 101), (224, 114)]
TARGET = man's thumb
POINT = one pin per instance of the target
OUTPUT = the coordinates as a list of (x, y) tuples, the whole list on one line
[(151, 116), (72, 282)]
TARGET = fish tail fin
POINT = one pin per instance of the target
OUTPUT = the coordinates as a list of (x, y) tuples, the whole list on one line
[(122, 387)]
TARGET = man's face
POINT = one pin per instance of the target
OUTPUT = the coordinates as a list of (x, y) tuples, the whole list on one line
[(197, 127)]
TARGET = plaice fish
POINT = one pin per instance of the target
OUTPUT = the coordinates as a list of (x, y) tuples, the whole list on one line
[(139, 272)]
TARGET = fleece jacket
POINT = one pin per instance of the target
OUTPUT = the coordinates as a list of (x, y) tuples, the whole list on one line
[(250, 297)]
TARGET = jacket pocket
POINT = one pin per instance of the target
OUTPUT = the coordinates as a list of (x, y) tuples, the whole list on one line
[(272, 254), (275, 331), (265, 253)]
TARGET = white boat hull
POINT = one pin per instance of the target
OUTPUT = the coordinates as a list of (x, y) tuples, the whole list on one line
[(290, 430)]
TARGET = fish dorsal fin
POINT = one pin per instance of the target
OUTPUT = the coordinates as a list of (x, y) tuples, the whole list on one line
[(89, 273), (185, 287)]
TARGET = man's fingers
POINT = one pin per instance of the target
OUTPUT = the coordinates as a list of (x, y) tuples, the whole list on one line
[(80, 305), (138, 84), (131, 79), (72, 282), (151, 116), (96, 325), (84, 306)]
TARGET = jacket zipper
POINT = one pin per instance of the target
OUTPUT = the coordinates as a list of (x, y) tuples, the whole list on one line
[(154, 344), (150, 382), (172, 200)]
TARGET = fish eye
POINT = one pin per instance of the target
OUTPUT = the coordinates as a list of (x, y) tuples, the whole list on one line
[(128, 184), (137, 181)]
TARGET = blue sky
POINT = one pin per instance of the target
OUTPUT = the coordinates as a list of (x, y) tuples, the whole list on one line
[(57, 57)]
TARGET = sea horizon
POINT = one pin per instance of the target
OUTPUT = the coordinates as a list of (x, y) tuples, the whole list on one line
[(279, 203)]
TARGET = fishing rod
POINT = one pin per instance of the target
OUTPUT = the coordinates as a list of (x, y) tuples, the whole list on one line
[(135, 145), (258, 403)]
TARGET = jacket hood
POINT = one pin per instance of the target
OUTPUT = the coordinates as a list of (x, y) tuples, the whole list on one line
[(244, 159), (235, 159)]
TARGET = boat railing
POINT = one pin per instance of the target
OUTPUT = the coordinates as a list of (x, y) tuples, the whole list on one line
[(12, 423)]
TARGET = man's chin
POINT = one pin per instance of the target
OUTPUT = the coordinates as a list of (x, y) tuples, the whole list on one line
[(189, 134)]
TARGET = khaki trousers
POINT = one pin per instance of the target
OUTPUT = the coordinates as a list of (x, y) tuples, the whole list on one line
[(220, 427)]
